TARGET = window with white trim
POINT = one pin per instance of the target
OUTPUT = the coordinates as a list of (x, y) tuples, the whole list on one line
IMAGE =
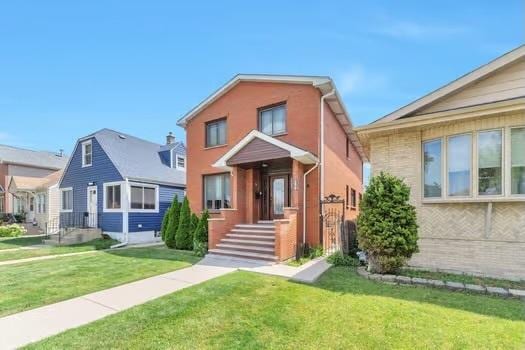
[(432, 168), (66, 199), (517, 161), (112, 197), (143, 197), (180, 162), (87, 153), (459, 165), (490, 162), (41, 203)]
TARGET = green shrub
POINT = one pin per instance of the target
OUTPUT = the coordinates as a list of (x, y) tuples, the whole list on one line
[(386, 226), (13, 230), (200, 248), (339, 259), (173, 223), (164, 226), (315, 252), (184, 235), (200, 235), (194, 223)]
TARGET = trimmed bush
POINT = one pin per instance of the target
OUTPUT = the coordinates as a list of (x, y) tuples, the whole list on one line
[(184, 235), (13, 230), (173, 223), (339, 259), (200, 235), (386, 226), (164, 226)]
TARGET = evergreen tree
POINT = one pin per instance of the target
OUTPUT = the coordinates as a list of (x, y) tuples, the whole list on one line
[(183, 236), (173, 223), (201, 231), (165, 221)]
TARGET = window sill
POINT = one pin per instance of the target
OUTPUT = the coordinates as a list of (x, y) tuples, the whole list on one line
[(86, 165), (144, 211), (474, 200), (213, 147), (277, 135)]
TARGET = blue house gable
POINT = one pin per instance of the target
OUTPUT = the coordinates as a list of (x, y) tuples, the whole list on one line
[(121, 184)]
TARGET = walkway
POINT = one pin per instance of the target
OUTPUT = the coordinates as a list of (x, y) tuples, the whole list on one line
[(33, 325)]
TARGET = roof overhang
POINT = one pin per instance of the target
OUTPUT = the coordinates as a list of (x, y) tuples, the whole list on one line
[(296, 153), (322, 83)]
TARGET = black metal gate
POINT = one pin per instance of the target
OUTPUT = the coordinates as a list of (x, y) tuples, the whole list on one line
[(332, 223)]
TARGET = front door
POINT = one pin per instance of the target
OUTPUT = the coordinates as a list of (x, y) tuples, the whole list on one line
[(279, 193), (92, 209)]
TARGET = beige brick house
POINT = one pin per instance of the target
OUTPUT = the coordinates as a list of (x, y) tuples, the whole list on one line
[(461, 149)]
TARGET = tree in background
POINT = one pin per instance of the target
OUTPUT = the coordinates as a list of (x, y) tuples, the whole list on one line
[(173, 223), (166, 219), (183, 236), (386, 226)]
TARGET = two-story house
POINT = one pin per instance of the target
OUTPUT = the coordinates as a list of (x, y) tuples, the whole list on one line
[(263, 151), (122, 184)]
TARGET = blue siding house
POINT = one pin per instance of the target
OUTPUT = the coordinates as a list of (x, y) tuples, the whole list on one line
[(122, 184)]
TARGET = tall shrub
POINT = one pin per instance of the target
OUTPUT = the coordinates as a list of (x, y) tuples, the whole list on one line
[(165, 220), (194, 223), (173, 223), (201, 231), (386, 226), (183, 236)]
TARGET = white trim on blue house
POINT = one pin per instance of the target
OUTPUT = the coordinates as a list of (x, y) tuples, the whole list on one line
[(62, 190), (84, 144), (177, 156), (157, 201), (122, 185)]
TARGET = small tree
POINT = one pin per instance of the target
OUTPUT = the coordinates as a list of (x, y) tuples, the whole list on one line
[(183, 236), (200, 235), (194, 223), (173, 223), (386, 226), (165, 221)]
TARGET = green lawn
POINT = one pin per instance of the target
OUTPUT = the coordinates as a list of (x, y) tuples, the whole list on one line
[(484, 281), (10, 243), (96, 244), (342, 311), (32, 284)]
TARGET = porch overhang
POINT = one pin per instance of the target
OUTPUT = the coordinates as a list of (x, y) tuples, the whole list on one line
[(280, 150)]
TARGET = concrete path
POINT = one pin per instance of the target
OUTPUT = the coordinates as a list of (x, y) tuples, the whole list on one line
[(29, 326)]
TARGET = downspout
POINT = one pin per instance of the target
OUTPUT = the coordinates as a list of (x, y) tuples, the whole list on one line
[(304, 199), (321, 153), (125, 219)]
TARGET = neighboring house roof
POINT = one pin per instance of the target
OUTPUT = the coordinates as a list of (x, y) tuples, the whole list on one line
[(138, 159), (456, 85), (301, 155), (26, 183), (40, 159), (323, 83)]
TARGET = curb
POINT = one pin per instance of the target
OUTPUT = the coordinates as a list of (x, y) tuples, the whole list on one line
[(454, 286)]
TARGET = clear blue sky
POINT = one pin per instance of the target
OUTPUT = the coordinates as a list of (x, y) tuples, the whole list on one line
[(68, 68)]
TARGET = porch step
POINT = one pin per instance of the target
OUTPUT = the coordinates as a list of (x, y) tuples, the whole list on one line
[(245, 248), (255, 227), (253, 232), (265, 222), (242, 254), (251, 237), (248, 242)]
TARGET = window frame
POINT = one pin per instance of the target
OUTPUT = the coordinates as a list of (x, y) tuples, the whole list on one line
[(442, 168), (105, 208), (507, 142), (216, 121), (204, 207), (270, 107), (177, 157), (84, 144), (143, 185), (353, 199), (473, 164), (476, 162), (62, 190)]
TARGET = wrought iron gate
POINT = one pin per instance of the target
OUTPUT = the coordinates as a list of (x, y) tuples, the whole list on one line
[(332, 222)]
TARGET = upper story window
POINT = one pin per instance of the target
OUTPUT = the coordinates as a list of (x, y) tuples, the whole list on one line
[(481, 164), (143, 197), (112, 196), (180, 162), (66, 199), (216, 133), (353, 199), (272, 121), (87, 153), (347, 147)]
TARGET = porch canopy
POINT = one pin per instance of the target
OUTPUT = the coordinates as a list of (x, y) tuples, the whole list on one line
[(258, 147)]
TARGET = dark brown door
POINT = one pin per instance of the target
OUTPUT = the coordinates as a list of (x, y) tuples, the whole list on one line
[(278, 195)]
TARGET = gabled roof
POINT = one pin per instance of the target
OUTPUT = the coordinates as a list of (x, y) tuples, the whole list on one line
[(455, 86), (323, 83), (26, 183), (296, 153), (40, 159), (138, 159)]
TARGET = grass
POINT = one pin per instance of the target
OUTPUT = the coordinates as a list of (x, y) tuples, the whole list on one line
[(18, 242), (297, 263), (96, 244), (467, 279), (243, 310), (32, 284)]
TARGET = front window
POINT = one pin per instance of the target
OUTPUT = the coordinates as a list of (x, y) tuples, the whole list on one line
[(217, 191), (67, 200), (272, 121), (490, 162), (113, 196), (459, 158), (41, 203), (87, 153), (432, 168), (216, 133), (517, 154), (143, 197)]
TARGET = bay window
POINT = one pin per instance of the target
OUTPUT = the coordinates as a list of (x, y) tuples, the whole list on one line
[(490, 162), (459, 165), (517, 161), (432, 168), (217, 191)]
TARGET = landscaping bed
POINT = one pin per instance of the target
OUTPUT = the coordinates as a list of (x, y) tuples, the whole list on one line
[(28, 285), (341, 311)]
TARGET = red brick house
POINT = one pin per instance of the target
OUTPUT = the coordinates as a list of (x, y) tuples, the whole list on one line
[(262, 151)]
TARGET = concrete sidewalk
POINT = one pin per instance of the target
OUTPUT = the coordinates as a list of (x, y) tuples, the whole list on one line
[(29, 326)]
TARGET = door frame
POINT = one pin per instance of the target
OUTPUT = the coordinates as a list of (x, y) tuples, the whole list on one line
[(92, 218), (267, 201)]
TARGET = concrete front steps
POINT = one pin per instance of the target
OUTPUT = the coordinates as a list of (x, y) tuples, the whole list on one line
[(249, 241), (78, 235)]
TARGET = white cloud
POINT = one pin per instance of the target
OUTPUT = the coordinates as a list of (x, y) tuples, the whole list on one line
[(357, 79), (413, 30)]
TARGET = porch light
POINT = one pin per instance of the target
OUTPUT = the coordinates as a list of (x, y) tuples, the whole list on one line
[(264, 165), (92, 183)]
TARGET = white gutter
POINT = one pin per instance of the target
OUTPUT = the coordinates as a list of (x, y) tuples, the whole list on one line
[(321, 153), (304, 199), (125, 218)]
